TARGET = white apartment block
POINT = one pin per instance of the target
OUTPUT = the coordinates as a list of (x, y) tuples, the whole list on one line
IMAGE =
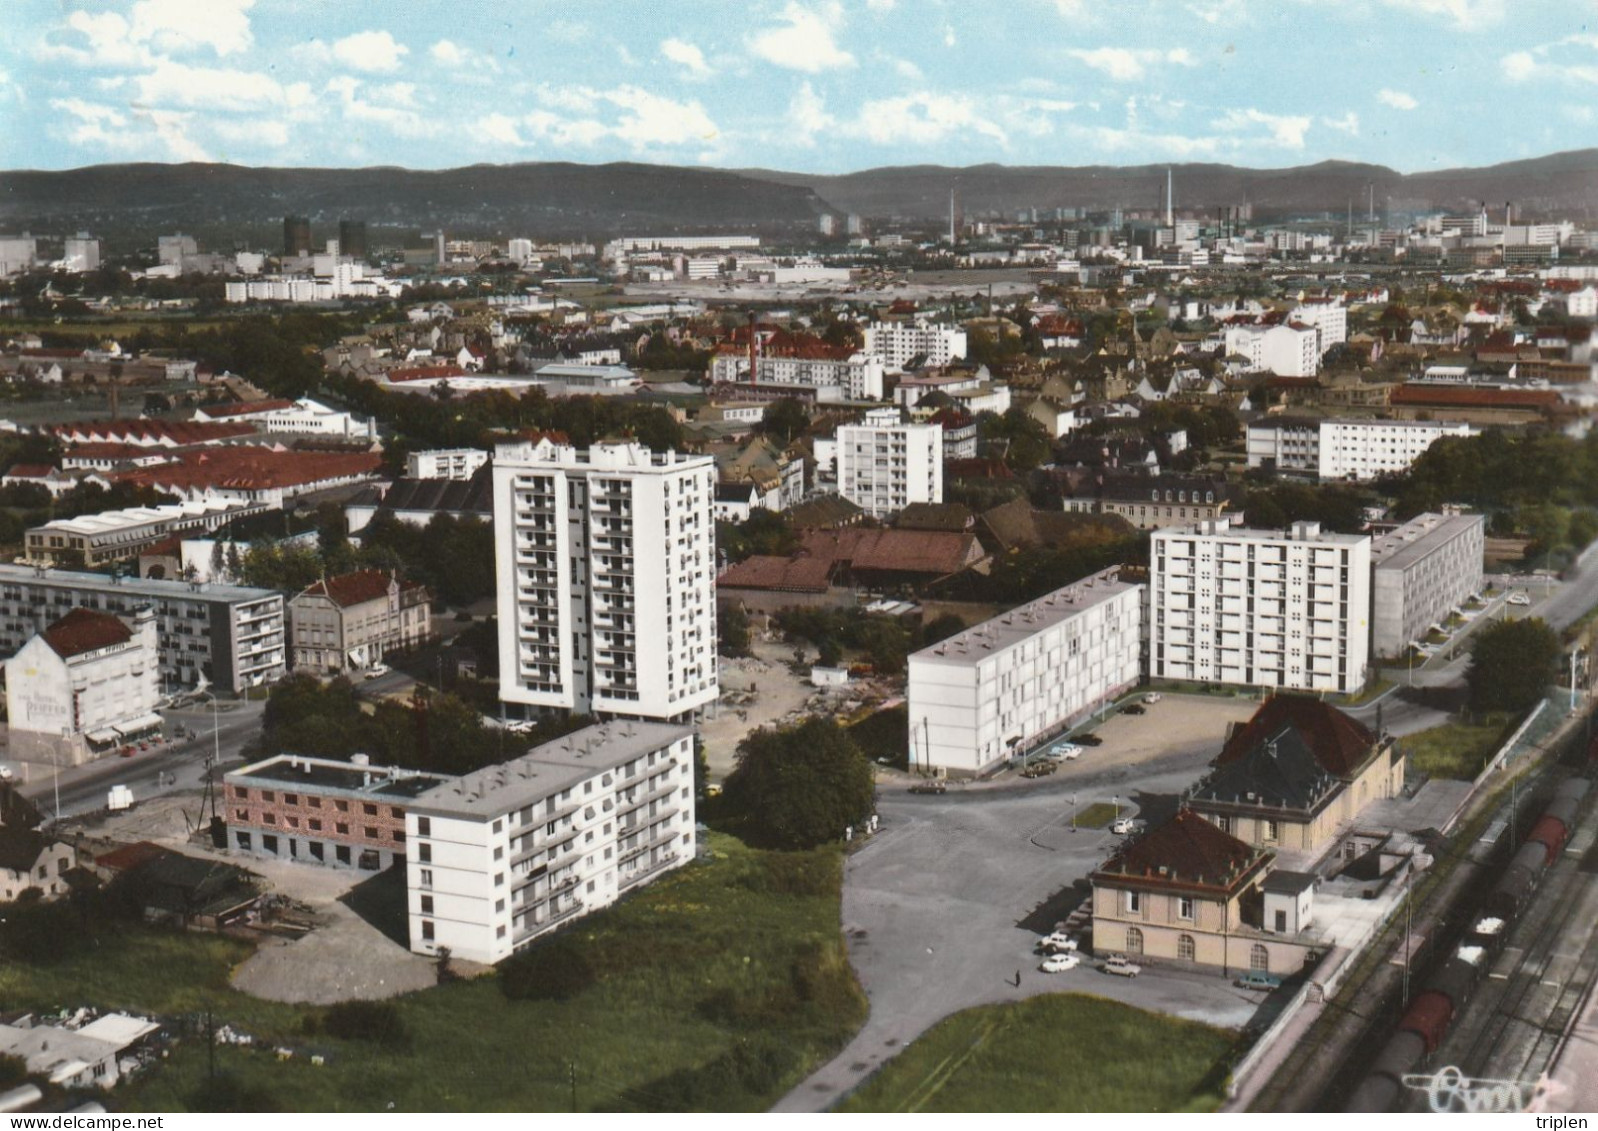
[(507, 853), (1287, 351), (884, 464), (1366, 449), (1328, 317), (1000, 687), (899, 343), (857, 376), (1344, 448), (445, 463), (606, 568), (1261, 608), (1419, 574)]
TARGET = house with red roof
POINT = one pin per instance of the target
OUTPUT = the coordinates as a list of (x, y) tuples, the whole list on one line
[(86, 684), (353, 620), (1296, 775)]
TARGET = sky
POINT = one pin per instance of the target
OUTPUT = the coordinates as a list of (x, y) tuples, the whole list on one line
[(823, 86)]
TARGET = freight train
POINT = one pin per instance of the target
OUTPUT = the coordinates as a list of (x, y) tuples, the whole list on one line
[(1426, 1022)]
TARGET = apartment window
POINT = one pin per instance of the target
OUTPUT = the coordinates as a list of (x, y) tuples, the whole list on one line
[(424, 853), (425, 876), (499, 879), (1224, 824), (427, 905), (1134, 941), (499, 853), (1272, 830), (427, 930), (1134, 902), (371, 833), (369, 809), (424, 827), (342, 829), (1259, 958), (291, 799), (1184, 907)]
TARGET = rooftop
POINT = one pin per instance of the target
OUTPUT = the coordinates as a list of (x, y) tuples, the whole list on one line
[(358, 587), (1339, 745), (1419, 537), (84, 630), (293, 770), (1185, 852), (1025, 621), (141, 587)]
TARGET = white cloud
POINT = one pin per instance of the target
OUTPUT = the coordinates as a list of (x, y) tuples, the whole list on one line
[(807, 116), (921, 119), (880, 5), (183, 25), (804, 41), (171, 83), (949, 39), (643, 120), (904, 68), (686, 55), (107, 129), (1285, 130), (447, 53), (367, 51), (1466, 15), (496, 129), (109, 42), (398, 120), (1124, 64), (1071, 9), (1348, 124), (651, 120), (1554, 61), (1397, 99)]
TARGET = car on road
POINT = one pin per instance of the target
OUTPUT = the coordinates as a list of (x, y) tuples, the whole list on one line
[(1518, 599), (1258, 980), (1069, 751), (1127, 826), (1153, 697), (1056, 942), (1039, 769), (377, 671), (928, 787), (1121, 965), (1088, 739), (1134, 709), (1059, 963)]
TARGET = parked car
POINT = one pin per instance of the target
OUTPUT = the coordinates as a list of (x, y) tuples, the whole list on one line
[(1089, 739), (1134, 709), (1258, 980), (1069, 751), (1059, 963), (1055, 942), (1519, 599), (1039, 769), (377, 670), (1153, 697), (1126, 826), (1122, 965), (928, 787)]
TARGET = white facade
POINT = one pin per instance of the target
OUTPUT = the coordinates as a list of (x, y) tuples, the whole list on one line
[(1284, 444), (1328, 317), (1419, 574), (1365, 449), (17, 254), (81, 253), (898, 343), (1261, 608), (884, 465), (1287, 351), (445, 463), (857, 377), (1000, 687), (605, 561), (506, 854)]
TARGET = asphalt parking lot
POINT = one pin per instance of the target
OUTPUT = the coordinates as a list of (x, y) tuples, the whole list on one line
[(942, 908)]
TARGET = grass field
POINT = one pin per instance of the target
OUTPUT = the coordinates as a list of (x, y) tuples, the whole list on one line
[(1065, 1052), (1455, 750), (717, 988), (1095, 816)]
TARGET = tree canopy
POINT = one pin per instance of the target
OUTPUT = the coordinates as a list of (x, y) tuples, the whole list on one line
[(800, 787), (1512, 663)]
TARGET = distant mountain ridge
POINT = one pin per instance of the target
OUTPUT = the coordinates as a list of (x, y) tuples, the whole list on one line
[(566, 199)]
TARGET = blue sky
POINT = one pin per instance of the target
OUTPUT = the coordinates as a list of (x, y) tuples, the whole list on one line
[(811, 85)]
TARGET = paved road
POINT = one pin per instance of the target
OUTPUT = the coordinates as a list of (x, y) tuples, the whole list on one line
[(1569, 600), (176, 765), (943, 907)]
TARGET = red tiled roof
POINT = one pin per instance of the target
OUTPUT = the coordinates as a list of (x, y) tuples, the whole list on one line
[(251, 468), (244, 408), (30, 471), (802, 574), (935, 552), (130, 856), (1186, 851), (179, 432), (52, 353), (1339, 744), (103, 449), (1460, 396), (425, 373), (84, 630), (358, 587)]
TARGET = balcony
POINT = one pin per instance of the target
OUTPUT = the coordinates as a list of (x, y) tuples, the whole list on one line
[(571, 909)]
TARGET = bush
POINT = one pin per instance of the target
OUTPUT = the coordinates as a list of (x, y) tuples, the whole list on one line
[(556, 971), (376, 1021), (737, 1080), (227, 1092), (793, 873)]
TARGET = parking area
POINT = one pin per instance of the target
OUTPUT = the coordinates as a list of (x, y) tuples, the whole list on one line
[(944, 906)]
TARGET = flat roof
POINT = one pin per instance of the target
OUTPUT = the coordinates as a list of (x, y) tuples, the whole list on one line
[(1418, 537), (1225, 531), (143, 587), (290, 771), (993, 636), (548, 769)]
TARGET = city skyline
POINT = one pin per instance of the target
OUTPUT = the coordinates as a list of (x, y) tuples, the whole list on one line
[(820, 87)]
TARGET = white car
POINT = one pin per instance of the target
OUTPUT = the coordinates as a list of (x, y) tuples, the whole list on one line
[(1058, 941), (377, 671), (1519, 599), (1152, 697), (1069, 751), (1121, 965), (1059, 963), (1126, 826)]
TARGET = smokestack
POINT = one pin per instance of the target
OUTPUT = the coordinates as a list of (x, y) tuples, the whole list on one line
[(951, 218), (1170, 200)]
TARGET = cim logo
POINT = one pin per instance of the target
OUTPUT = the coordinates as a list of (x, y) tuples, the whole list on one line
[(1450, 1090)]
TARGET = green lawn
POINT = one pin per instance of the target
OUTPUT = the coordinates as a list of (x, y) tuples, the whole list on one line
[(718, 987), (1066, 1052), (1454, 750), (1095, 816)]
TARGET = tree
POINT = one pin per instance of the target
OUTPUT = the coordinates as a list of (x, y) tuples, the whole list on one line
[(1511, 665), (733, 625), (800, 787), (785, 419)]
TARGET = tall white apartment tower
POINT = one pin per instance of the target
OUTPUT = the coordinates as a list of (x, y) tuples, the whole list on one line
[(605, 566), (1264, 608), (884, 464)]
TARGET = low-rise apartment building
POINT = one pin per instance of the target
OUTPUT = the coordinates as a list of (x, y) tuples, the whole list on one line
[(1000, 687), (1150, 502), (355, 619), (1262, 608), (1344, 448), (230, 636), (506, 854), (1420, 573), (445, 463), (93, 540)]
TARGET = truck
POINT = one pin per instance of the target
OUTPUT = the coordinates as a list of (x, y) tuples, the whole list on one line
[(120, 799)]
